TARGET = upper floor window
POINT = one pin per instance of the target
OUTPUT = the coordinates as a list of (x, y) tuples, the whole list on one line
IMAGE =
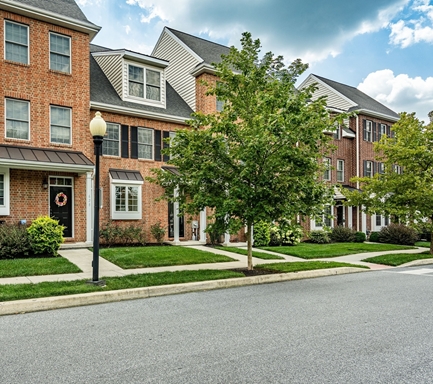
[(382, 130), (327, 172), (16, 42), (340, 171), (145, 143), (381, 167), (368, 130), (337, 132), (368, 171), (60, 124), (60, 53), (141, 79), (17, 119), (111, 143)]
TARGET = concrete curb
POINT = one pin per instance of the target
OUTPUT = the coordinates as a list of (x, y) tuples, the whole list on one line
[(67, 301)]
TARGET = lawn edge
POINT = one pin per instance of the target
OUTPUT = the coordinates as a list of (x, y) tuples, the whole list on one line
[(68, 301)]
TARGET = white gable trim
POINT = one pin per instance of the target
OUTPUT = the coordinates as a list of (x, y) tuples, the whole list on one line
[(335, 91)]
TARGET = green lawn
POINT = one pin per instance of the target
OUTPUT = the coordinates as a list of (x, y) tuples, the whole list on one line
[(298, 266), (36, 267), (425, 244), (259, 255), (398, 258), (30, 291), (317, 251), (145, 257)]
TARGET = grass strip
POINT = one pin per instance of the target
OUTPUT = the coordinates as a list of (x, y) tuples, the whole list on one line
[(162, 256), (298, 266), (317, 251), (46, 289), (425, 244), (36, 267), (257, 254), (398, 258)]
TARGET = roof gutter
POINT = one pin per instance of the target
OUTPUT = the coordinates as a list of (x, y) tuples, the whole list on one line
[(376, 114), (45, 166), (134, 112), (203, 68), (50, 17)]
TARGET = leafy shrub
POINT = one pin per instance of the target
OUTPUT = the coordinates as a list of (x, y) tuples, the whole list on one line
[(158, 232), (398, 234), (113, 234), (46, 235), (340, 234), (319, 237), (262, 234), (14, 241), (360, 237), (286, 233), (216, 230), (374, 237)]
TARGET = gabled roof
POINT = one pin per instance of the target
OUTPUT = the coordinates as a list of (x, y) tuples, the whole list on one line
[(103, 92), (208, 51), (362, 101), (54, 11)]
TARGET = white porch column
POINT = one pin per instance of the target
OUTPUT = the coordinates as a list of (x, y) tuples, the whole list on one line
[(226, 239), (203, 224), (363, 221), (89, 210), (349, 217), (176, 217)]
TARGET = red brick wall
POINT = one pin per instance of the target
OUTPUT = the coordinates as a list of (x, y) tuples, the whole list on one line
[(205, 103)]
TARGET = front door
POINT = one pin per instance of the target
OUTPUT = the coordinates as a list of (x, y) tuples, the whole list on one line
[(340, 214), (171, 222), (61, 203)]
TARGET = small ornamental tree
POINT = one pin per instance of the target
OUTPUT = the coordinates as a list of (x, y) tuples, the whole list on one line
[(257, 159), (405, 189)]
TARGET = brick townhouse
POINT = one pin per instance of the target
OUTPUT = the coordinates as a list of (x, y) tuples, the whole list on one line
[(53, 82)]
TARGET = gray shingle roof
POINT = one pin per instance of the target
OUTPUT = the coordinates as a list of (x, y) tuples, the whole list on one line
[(210, 52), (101, 91), (68, 8), (362, 100)]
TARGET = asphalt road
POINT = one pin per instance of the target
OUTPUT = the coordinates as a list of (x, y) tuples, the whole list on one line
[(372, 327)]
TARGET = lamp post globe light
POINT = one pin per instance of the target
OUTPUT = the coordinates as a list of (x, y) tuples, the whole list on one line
[(98, 128)]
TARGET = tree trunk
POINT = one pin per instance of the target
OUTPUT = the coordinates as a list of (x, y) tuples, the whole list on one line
[(250, 247)]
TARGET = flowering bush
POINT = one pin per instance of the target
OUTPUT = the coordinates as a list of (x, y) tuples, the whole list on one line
[(286, 233)]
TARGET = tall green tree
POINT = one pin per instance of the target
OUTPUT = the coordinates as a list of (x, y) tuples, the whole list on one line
[(258, 158), (405, 189)]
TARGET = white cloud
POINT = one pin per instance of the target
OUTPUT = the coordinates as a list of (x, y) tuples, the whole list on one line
[(405, 33), (401, 92), (127, 29)]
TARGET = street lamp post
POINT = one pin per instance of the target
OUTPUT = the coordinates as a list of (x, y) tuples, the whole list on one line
[(97, 129)]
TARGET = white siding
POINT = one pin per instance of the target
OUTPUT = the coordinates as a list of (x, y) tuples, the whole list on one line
[(181, 62), (334, 99), (112, 67)]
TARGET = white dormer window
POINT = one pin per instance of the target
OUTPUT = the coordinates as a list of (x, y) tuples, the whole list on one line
[(144, 83)]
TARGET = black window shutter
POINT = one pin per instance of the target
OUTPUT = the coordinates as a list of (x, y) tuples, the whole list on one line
[(125, 141), (134, 143), (364, 126), (165, 135), (365, 167), (157, 144), (374, 132)]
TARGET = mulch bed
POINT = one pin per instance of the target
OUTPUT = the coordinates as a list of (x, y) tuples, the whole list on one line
[(254, 272)]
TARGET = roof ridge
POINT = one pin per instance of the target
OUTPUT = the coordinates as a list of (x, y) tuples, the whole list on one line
[(196, 37)]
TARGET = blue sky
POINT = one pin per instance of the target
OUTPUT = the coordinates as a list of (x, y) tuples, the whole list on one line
[(383, 47)]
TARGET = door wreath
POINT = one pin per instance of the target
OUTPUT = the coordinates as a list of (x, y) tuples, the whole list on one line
[(61, 199)]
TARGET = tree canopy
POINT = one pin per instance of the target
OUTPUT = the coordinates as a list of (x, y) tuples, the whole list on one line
[(257, 159), (405, 188)]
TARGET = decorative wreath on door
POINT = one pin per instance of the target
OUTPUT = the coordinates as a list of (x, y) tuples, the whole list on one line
[(61, 199)]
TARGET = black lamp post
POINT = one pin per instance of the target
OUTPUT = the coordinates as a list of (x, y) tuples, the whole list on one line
[(97, 129)]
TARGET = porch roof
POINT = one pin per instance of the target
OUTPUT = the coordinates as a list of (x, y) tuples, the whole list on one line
[(22, 157)]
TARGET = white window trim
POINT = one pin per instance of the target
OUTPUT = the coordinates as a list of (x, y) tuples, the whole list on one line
[(340, 180), (125, 215), (152, 144), (368, 130), (383, 224), (371, 168), (5, 208), (327, 171), (119, 142), (28, 41), (143, 100), (28, 103), (70, 52), (70, 125), (317, 227)]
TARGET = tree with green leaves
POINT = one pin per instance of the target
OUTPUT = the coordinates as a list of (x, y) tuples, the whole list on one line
[(259, 159), (405, 189)]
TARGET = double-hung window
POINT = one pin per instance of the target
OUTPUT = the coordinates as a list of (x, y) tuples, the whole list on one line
[(327, 172), (337, 132), (17, 119), (324, 220), (368, 135), (144, 83), (111, 143), (382, 130), (145, 143), (60, 53), (60, 125), (16, 42), (340, 171), (368, 169)]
